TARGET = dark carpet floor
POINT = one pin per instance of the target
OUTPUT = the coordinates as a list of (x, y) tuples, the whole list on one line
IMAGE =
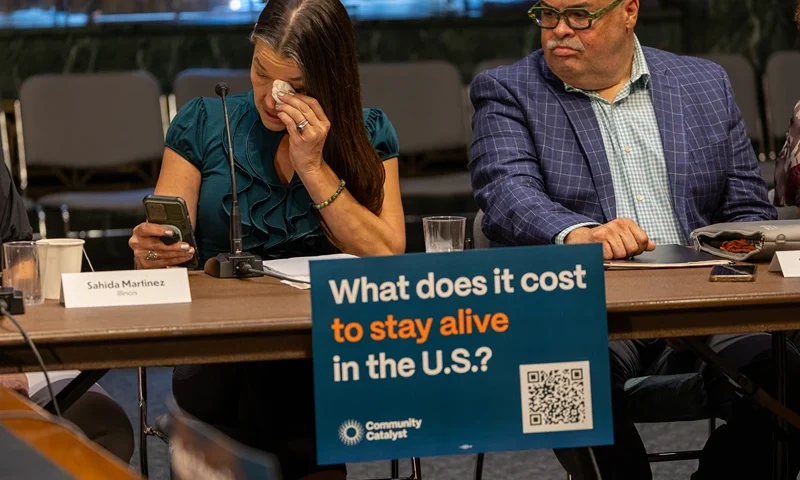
[(534, 465)]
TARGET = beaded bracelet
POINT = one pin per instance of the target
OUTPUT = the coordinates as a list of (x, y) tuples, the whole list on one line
[(320, 206)]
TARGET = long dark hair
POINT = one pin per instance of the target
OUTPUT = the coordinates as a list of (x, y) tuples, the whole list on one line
[(318, 35)]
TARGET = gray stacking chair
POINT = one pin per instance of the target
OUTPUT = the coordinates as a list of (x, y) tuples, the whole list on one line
[(200, 82), (5, 157), (422, 99), (743, 80), (425, 103), (5, 146), (781, 93), (96, 122), (493, 63), (479, 240)]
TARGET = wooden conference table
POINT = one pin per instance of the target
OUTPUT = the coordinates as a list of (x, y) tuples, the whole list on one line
[(262, 319), (231, 320), (34, 448)]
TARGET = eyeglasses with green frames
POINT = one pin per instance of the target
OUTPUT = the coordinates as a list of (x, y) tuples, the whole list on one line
[(576, 18)]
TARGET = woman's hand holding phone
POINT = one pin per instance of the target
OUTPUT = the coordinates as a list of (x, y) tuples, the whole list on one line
[(151, 252)]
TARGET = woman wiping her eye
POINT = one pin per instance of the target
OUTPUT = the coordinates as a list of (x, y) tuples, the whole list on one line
[(316, 174)]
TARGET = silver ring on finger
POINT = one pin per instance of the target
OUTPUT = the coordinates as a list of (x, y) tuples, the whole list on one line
[(302, 125), (151, 255)]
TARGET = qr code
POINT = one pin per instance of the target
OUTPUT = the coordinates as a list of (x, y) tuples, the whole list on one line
[(556, 397)]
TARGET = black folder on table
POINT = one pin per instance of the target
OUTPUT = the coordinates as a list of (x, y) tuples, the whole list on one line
[(668, 256)]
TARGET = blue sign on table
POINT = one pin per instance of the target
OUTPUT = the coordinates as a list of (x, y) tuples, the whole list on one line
[(437, 354)]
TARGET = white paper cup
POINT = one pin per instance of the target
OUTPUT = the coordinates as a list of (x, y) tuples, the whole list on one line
[(57, 256)]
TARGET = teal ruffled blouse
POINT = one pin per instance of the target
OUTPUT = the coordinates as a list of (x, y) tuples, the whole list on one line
[(277, 221)]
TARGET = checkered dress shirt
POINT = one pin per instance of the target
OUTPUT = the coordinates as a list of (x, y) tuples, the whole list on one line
[(635, 156)]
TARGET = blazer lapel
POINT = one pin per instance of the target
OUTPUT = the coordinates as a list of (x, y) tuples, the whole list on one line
[(669, 114), (584, 122)]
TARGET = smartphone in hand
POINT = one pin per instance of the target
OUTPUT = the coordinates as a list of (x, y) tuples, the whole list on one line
[(171, 212)]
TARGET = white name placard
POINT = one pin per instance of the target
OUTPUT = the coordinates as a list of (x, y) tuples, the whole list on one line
[(125, 288), (787, 263)]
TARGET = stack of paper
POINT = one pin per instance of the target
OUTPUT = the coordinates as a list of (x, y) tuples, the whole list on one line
[(296, 270)]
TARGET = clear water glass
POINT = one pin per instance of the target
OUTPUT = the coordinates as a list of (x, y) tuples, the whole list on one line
[(444, 234), (21, 271)]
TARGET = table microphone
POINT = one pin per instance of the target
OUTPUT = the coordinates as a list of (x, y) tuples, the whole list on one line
[(235, 264)]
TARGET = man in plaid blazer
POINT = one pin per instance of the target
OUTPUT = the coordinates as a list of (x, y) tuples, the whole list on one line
[(595, 138), (539, 164)]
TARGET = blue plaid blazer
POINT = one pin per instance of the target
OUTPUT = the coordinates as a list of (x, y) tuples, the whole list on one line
[(539, 165)]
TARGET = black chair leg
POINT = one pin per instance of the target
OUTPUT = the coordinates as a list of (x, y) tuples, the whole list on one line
[(143, 466), (479, 466), (781, 452), (594, 464)]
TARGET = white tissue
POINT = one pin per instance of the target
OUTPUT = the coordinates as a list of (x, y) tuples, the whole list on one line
[(279, 86)]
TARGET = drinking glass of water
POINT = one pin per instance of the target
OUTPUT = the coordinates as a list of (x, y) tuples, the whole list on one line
[(21, 271), (444, 234)]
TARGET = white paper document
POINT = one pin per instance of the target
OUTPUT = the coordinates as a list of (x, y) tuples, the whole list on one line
[(297, 269)]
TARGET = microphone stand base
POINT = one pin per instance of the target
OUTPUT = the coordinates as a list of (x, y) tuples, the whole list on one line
[(232, 265), (16, 305)]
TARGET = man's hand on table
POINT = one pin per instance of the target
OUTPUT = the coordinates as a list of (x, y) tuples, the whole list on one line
[(621, 238), (15, 381)]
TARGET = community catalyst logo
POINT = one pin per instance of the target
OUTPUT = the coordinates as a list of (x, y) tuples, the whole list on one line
[(352, 432)]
